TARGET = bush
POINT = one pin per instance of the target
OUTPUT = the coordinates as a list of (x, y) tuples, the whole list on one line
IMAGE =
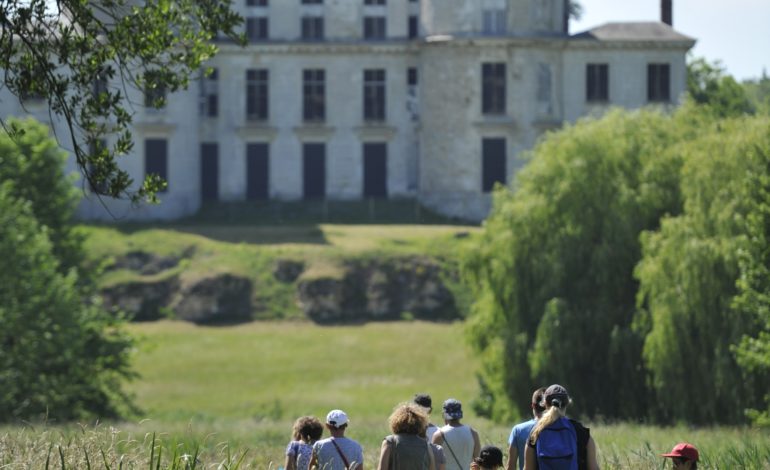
[(61, 355)]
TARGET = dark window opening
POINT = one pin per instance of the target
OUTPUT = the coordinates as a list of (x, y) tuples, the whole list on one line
[(597, 82), (156, 159), (374, 95), (312, 27), (257, 29), (493, 88), (257, 95), (314, 95), (493, 163), (374, 27), (658, 82)]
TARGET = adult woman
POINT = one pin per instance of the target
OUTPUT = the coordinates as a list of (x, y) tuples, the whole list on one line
[(305, 432), (405, 449), (557, 442)]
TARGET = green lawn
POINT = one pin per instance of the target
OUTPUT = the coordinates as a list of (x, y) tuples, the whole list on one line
[(230, 390)]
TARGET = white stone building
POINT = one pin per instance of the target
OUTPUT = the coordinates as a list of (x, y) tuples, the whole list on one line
[(351, 99)]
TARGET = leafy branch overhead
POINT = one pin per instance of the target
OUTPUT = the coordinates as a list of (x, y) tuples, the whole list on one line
[(67, 52)]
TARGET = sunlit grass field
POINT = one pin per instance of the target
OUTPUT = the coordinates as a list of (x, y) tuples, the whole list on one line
[(232, 392)]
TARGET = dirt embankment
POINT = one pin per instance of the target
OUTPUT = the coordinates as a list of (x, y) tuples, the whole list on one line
[(356, 291)]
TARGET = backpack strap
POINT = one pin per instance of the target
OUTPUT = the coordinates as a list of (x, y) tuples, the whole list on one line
[(583, 434), (443, 438), (339, 451)]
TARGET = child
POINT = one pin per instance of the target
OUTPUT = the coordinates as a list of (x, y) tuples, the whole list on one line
[(490, 458), (305, 432)]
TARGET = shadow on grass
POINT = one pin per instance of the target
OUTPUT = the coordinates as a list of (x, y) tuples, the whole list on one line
[(281, 222)]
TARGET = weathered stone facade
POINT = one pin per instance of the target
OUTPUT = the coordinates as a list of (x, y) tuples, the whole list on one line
[(429, 142)]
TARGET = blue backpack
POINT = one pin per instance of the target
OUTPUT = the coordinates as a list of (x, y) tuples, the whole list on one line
[(556, 447)]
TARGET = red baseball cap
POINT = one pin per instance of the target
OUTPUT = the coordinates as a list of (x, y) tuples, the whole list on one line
[(684, 450)]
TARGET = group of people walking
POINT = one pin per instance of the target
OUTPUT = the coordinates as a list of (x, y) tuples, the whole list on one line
[(549, 441)]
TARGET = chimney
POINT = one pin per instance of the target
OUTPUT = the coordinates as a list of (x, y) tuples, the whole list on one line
[(666, 13)]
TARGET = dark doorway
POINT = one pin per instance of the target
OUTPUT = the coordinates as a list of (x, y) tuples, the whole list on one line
[(209, 171), (375, 170), (257, 166), (493, 165), (314, 171)]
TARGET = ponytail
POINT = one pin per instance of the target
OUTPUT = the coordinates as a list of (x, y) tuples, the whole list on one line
[(550, 416)]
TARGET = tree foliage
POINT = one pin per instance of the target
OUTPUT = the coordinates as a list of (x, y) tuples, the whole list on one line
[(60, 51), (758, 92), (710, 87), (34, 162), (569, 289), (553, 269), (689, 278), (61, 355)]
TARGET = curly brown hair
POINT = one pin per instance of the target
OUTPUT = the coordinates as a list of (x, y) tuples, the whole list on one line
[(408, 418), (308, 429)]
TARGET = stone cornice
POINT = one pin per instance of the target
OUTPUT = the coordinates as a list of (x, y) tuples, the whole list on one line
[(311, 132), (375, 132), (495, 124), (256, 131), (629, 44), (161, 127)]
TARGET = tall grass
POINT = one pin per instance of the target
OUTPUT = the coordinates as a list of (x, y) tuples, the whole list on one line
[(135, 446), (225, 398)]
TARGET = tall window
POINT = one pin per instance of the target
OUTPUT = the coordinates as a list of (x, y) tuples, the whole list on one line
[(374, 95), (256, 3), (257, 95), (597, 82), (374, 27), (314, 94), (412, 76), (493, 21), (209, 98), (493, 88), (257, 28), (414, 26), (493, 163), (156, 158), (312, 27), (658, 82)]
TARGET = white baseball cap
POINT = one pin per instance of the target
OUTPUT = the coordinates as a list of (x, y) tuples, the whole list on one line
[(337, 418)]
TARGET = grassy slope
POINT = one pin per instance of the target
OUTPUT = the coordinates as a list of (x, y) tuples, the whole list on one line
[(251, 251)]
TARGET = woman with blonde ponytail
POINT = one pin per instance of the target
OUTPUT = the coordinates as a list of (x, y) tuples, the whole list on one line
[(556, 442)]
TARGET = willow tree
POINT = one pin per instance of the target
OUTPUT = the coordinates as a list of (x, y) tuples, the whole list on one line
[(64, 51), (553, 268), (704, 284)]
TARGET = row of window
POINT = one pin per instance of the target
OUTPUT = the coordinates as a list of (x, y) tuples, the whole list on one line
[(312, 28), (598, 82), (493, 85), (493, 90), (375, 167), (313, 94)]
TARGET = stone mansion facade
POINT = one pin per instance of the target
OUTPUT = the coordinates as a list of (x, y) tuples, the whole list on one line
[(352, 99)]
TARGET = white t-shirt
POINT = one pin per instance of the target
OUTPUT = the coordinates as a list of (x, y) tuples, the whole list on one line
[(329, 459)]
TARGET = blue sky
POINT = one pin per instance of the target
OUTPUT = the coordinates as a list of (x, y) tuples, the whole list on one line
[(737, 32)]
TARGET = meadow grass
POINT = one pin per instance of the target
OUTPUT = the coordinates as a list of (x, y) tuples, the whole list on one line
[(232, 393)]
